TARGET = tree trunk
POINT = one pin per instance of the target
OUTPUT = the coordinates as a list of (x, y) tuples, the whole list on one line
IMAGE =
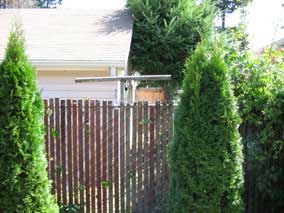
[(223, 19)]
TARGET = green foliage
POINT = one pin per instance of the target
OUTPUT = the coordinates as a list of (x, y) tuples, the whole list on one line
[(72, 208), (228, 6), (48, 3), (165, 33), (259, 86), (24, 186), (206, 154)]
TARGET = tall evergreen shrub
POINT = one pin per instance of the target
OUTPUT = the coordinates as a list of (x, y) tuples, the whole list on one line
[(24, 186), (206, 154), (165, 32)]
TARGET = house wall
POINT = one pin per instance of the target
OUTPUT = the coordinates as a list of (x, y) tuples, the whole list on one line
[(61, 84)]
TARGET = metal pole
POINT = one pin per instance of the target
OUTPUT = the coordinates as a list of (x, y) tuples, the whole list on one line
[(122, 88), (130, 92)]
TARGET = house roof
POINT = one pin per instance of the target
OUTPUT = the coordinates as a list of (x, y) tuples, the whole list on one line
[(71, 37), (280, 43)]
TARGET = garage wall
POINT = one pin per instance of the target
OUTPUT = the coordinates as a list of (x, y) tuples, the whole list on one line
[(62, 84)]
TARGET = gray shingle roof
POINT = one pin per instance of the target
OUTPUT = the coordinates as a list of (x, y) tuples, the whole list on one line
[(61, 35)]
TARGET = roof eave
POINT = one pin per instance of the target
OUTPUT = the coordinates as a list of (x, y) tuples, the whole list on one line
[(75, 64)]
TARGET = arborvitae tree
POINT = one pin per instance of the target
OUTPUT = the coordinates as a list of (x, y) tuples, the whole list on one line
[(165, 32), (24, 185), (206, 154)]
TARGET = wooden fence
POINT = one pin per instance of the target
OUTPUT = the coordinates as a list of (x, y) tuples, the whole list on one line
[(106, 158)]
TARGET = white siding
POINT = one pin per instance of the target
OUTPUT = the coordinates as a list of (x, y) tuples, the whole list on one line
[(62, 85)]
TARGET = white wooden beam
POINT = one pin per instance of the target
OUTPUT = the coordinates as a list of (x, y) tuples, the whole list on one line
[(125, 78)]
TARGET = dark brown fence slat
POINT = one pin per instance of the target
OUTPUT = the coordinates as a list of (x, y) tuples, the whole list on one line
[(51, 134), (81, 155), (171, 121), (116, 160), (170, 128), (110, 155), (87, 155), (134, 157), (98, 153), (47, 142), (56, 133), (152, 158), (69, 147), (127, 156), (140, 158), (163, 139), (75, 152), (146, 157), (122, 159), (158, 156), (104, 162), (93, 156), (63, 151)]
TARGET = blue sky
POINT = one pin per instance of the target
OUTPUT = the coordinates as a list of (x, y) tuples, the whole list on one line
[(265, 20)]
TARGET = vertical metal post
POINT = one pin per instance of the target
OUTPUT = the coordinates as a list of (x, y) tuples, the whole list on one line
[(122, 90), (130, 92)]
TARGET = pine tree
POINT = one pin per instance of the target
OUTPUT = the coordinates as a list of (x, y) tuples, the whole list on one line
[(165, 32), (48, 3), (206, 154), (24, 186)]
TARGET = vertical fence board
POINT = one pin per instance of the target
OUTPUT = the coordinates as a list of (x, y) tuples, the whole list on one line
[(51, 141), (63, 165), (122, 159), (58, 148), (146, 157), (93, 155), (98, 153), (110, 156), (152, 159), (170, 127), (70, 162), (81, 156), (104, 162), (116, 159), (134, 157), (75, 151), (140, 158), (163, 138), (127, 156), (87, 155), (47, 143), (158, 156)]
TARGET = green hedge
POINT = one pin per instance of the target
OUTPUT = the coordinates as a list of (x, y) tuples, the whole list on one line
[(206, 154), (259, 86), (24, 186)]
